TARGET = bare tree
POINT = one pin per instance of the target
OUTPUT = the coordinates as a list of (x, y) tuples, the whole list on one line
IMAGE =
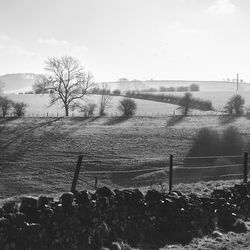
[(88, 110), (67, 81), (185, 103), (105, 99), (235, 105), (5, 105)]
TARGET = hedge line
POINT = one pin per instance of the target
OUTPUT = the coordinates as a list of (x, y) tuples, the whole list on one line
[(196, 103)]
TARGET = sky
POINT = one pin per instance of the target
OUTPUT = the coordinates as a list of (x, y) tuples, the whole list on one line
[(135, 39)]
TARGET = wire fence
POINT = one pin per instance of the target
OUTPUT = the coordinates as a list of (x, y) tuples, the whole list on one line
[(192, 168), (117, 114)]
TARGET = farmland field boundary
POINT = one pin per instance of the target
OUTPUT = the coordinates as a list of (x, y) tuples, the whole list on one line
[(199, 169)]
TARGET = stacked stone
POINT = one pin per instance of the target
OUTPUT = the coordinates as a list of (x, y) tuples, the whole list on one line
[(85, 220)]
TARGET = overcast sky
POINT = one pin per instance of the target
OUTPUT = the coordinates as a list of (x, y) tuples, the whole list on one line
[(136, 39)]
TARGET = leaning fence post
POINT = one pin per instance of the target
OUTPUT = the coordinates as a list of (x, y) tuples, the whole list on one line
[(77, 170), (170, 182), (245, 165)]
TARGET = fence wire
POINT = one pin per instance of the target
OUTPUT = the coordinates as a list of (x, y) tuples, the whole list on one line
[(105, 161)]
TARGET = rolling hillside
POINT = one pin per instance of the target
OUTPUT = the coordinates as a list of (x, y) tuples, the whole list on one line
[(38, 155), (21, 82), (38, 105)]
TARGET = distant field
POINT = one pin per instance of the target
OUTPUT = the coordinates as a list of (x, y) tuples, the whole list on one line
[(218, 98), (38, 105), (38, 155), (204, 85)]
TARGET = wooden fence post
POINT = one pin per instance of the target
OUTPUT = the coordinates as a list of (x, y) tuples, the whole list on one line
[(77, 170), (96, 182), (245, 167), (170, 182)]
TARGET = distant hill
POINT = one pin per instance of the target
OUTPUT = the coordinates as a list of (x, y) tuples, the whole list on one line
[(21, 82), (204, 85), (18, 82)]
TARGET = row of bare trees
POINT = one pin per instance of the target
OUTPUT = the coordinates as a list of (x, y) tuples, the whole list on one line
[(8, 106), (68, 83)]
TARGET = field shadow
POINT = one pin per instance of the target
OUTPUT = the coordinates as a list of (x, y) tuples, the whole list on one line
[(247, 116), (174, 120), (21, 133), (4, 120), (87, 119), (117, 120), (226, 119)]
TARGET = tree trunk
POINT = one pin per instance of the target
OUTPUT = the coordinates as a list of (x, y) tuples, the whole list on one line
[(66, 110)]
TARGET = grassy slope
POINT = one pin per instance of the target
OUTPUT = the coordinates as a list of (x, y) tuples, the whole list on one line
[(39, 105), (106, 143)]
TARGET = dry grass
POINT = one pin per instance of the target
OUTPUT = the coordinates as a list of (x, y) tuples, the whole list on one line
[(229, 241)]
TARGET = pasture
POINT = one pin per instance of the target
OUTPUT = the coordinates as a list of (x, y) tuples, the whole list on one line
[(38, 155), (39, 105)]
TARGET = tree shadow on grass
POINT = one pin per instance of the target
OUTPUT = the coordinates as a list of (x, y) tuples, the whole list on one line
[(20, 133), (4, 120), (247, 116), (85, 118), (117, 120), (174, 120), (226, 119)]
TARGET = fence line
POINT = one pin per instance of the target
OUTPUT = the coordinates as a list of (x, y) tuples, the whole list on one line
[(213, 156), (31, 162), (115, 114), (206, 167), (123, 171), (171, 164)]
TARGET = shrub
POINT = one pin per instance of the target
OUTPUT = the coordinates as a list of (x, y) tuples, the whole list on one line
[(162, 89), (194, 87), (19, 109), (182, 89), (235, 105), (127, 107), (171, 89), (29, 92), (5, 105), (185, 102), (88, 110), (116, 92)]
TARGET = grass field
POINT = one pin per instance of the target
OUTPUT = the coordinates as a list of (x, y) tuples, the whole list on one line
[(38, 105), (29, 147)]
